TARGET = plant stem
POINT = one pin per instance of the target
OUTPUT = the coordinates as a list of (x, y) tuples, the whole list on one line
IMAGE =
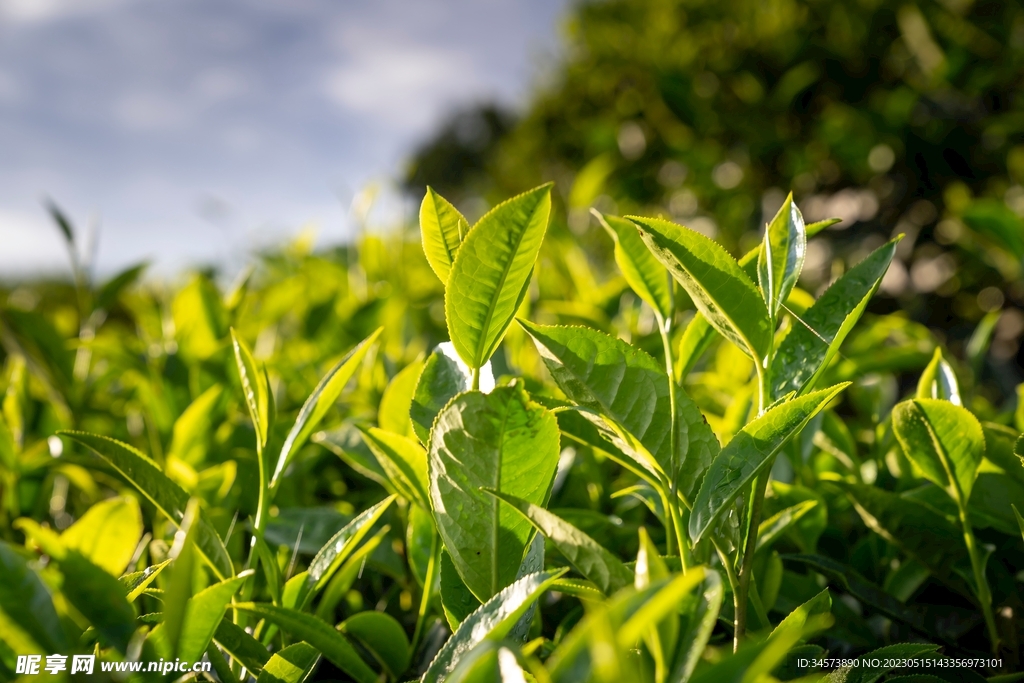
[(672, 502), (747, 562), (476, 379), (984, 592), (428, 589), (670, 532), (730, 574)]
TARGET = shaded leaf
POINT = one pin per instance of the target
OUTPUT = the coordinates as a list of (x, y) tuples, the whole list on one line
[(383, 637), (291, 665), (25, 599), (443, 228), (444, 376), (644, 274)]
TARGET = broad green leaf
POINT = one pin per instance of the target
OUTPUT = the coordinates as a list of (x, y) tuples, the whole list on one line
[(585, 554), (169, 498), (180, 586), (695, 340), (396, 401), (420, 541), (404, 461), (254, 389), (317, 633), (609, 376), (320, 401), (383, 637), (698, 616), (501, 440), (798, 619), (715, 282), (750, 451), (444, 376), (939, 381), (203, 613), (457, 601), (443, 228), (488, 662), (644, 274), (781, 258), (347, 573), (999, 443), (649, 565), (192, 428), (107, 534), (944, 440), (492, 621), (200, 321), (241, 646), (137, 582), (491, 273), (887, 658), (340, 547), (817, 335), (347, 442), (25, 599), (916, 529), (291, 665), (771, 529), (94, 592)]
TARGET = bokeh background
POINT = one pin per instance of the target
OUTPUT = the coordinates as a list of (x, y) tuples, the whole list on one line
[(191, 134)]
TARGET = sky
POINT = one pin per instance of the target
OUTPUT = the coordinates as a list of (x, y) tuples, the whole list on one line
[(189, 132)]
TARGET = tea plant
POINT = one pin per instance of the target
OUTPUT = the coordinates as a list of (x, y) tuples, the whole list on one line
[(728, 492)]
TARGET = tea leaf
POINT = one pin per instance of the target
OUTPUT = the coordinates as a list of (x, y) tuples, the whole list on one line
[(650, 568), (443, 229), (291, 665), (816, 337), (781, 258), (457, 601), (444, 376), (404, 461), (107, 533), (383, 637), (26, 600), (341, 545), (696, 339), (698, 616), (501, 440), (240, 645), (644, 274), (751, 450), (942, 439), (317, 633), (491, 273), (169, 498), (254, 389), (203, 613), (492, 621), (798, 619), (585, 554), (939, 381), (396, 401), (771, 529), (715, 282)]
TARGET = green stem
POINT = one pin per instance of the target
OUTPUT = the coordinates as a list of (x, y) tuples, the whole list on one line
[(476, 379), (672, 503), (730, 574), (984, 592), (747, 562), (428, 589), (670, 532)]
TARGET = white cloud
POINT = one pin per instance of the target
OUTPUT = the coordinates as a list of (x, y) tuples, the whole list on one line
[(31, 244), (47, 10)]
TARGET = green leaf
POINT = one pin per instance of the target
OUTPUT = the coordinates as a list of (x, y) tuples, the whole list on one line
[(715, 282), (698, 616), (271, 570), (291, 665), (444, 376), (585, 554), (644, 274), (695, 340), (996, 221), (797, 620), (383, 637), (317, 633), (169, 498), (320, 401), (112, 288), (817, 335), (404, 461), (887, 657), (750, 451), (501, 440), (491, 273), (944, 440), (137, 582), (1020, 520), (254, 389), (443, 229), (781, 258), (492, 621), (665, 602), (340, 547), (457, 601), (817, 226), (203, 613), (192, 428), (650, 568), (608, 376), (396, 401), (771, 529), (25, 599), (107, 534), (939, 381), (241, 646), (488, 662)]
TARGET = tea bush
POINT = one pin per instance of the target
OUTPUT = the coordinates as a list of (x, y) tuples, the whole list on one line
[(503, 462)]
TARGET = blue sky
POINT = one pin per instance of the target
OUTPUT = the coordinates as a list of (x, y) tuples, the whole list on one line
[(192, 130)]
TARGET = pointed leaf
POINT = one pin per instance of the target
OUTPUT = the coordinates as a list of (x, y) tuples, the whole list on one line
[(644, 274), (698, 616), (320, 401), (444, 376), (585, 554), (492, 621), (650, 568), (781, 258), (457, 601), (778, 524), (696, 339), (715, 282), (939, 381), (664, 602), (248, 651), (317, 633), (751, 450), (798, 619), (203, 614), (146, 476), (942, 439), (491, 273), (383, 637), (107, 534), (340, 547), (501, 440), (254, 388), (816, 337), (395, 402), (291, 665), (443, 229), (404, 461)]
